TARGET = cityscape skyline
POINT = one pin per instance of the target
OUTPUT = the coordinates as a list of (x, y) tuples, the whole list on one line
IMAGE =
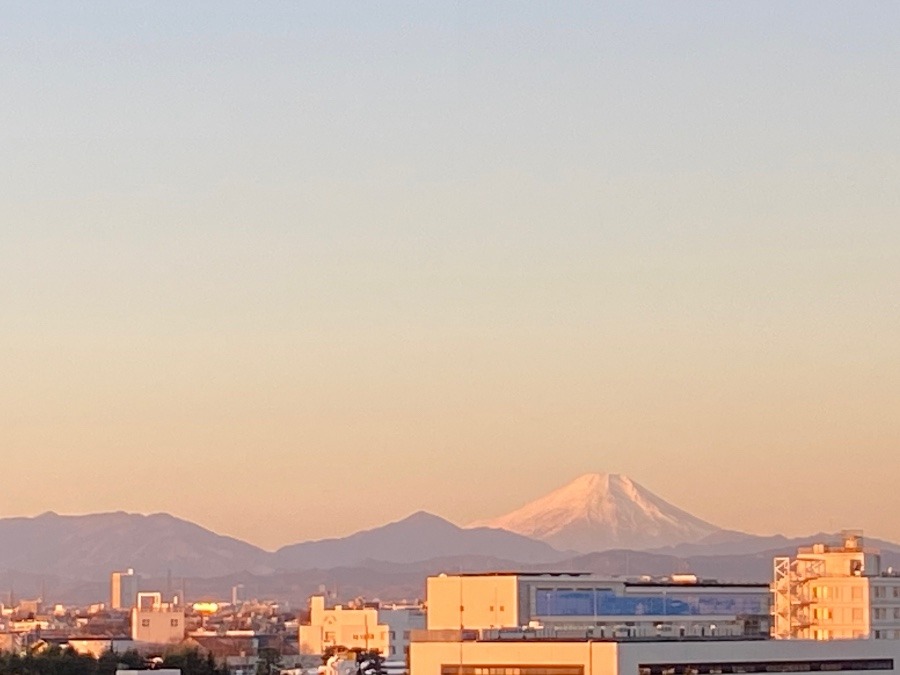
[(296, 271)]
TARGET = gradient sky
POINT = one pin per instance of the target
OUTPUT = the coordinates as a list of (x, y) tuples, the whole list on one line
[(293, 269)]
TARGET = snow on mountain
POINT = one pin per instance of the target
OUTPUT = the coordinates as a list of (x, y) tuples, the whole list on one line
[(601, 511)]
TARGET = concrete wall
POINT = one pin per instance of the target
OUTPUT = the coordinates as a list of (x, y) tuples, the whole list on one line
[(627, 658), (489, 601), (160, 626)]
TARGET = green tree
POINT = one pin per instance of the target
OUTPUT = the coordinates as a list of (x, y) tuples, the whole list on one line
[(190, 662), (370, 663), (268, 661)]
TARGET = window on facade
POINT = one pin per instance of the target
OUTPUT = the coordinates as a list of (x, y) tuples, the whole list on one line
[(511, 670), (174, 623), (605, 602), (763, 667), (857, 593), (857, 614)]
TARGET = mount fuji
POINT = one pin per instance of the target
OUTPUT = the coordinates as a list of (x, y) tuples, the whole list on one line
[(600, 511)]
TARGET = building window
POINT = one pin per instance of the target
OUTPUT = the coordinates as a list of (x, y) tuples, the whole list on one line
[(145, 623), (174, 623), (511, 670), (763, 667), (857, 614), (605, 602), (857, 593)]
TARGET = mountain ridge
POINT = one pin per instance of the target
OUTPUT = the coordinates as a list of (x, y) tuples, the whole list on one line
[(82, 550)]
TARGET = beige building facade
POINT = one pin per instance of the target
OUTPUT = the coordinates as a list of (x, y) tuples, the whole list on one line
[(835, 593), (353, 628), (440, 654), (155, 621)]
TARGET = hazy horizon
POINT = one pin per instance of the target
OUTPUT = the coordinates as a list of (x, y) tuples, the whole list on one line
[(343, 533), (295, 270)]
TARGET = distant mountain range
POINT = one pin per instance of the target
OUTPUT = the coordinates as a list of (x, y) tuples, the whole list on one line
[(419, 537), (600, 523), (92, 546), (159, 545)]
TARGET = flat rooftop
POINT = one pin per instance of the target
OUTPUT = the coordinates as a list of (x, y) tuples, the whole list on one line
[(628, 581)]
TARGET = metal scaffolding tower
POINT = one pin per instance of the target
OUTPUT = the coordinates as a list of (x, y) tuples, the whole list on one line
[(792, 596)]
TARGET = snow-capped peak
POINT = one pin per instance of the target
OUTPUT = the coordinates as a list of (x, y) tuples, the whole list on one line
[(599, 511)]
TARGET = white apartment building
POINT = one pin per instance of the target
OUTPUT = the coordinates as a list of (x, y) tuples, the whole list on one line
[(343, 627), (835, 592), (580, 604), (401, 620), (155, 621)]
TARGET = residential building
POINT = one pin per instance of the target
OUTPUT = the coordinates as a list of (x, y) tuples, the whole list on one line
[(589, 605), (123, 589), (353, 628), (155, 621), (835, 592), (401, 620)]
